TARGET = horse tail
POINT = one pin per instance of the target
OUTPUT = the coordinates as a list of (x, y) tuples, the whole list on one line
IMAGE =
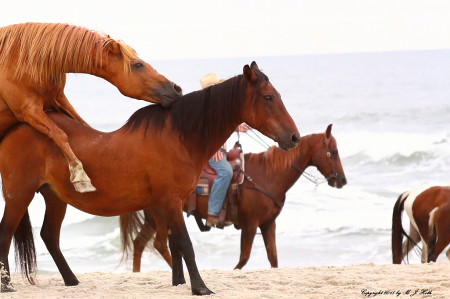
[(397, 229), (25, 251), (132, 225), (431, 235)]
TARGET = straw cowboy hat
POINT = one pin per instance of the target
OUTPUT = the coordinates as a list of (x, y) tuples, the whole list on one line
[(210, 79)]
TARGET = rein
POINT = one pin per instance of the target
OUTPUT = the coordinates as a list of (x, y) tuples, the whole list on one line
[(261, 142), (274, 198), (316, 180), (313, 179)]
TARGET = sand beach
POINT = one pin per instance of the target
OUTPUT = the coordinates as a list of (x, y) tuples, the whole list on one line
[(356, 281)]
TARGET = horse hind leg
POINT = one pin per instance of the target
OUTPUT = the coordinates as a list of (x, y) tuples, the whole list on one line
[(145, 235), (160, 241), (440, 234), (36, 117), (15, 222), (247, 236), (50, 233), (432, 236)]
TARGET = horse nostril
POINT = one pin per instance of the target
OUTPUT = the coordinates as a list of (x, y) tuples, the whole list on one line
[(178, 89), (295, 138), (344, 181)]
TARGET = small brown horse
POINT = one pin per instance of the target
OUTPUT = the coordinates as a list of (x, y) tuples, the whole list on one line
[(272, 174), (34, 60), (154, 160), (428, 208)]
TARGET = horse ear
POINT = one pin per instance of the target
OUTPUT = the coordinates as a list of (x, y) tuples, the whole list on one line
[(113, 47), (254, 66), (250, 75), (328, 131)]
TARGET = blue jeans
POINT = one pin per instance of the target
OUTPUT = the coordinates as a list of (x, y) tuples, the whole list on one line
[(220, 185)]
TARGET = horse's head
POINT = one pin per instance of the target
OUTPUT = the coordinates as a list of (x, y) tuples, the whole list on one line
[(134, 77), (325, 157), (264, 110)]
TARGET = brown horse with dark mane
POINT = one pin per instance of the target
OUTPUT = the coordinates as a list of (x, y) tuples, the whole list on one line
[(34, 60), (154, 160), (268, 176), (428, 209)]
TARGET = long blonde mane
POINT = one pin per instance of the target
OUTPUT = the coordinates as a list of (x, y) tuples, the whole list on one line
[(46, 51)]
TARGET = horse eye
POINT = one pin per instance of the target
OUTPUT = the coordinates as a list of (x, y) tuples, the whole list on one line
[(267, 98), (138, 65)]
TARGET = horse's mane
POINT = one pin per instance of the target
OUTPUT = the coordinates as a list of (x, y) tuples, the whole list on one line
[(276, 160), (199, 116), (46, 51)]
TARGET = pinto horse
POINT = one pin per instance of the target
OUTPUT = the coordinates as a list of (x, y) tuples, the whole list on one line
[(428, 209), (154, 160), (34, 60), (268, 176)]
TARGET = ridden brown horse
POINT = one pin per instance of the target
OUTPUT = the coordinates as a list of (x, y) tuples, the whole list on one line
[(34, 60), (428, 208), (272, 174), (154, 160)]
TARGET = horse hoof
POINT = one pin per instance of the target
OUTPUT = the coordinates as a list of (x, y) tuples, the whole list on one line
[(7, 288), (84, 187), (178, 282), (202, 292), (71, 283)]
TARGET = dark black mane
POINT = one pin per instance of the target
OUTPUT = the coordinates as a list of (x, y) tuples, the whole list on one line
[(200, 116), (197, 116)]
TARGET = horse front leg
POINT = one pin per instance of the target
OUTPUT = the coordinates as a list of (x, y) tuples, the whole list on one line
[(34, 115), (181, 246), (63, 105), (268, 233)]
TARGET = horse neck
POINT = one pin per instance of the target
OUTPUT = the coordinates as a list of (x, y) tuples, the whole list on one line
[(305, 149), (219, 130), (279, 181), (217, 142), (303, 159)]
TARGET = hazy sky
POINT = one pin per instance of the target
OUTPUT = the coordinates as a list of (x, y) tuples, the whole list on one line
[(173, 29)]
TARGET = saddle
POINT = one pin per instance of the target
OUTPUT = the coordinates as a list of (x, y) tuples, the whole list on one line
[(236, 158)]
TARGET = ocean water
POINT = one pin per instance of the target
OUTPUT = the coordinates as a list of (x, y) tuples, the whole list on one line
[(390, 116)]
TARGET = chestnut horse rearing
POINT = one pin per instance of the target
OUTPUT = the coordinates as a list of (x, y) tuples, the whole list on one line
[(154, 160), (34, 60), (275, 170)]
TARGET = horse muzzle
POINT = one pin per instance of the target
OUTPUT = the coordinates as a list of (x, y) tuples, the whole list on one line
[(169, 93), (289, 143), (337, 180)]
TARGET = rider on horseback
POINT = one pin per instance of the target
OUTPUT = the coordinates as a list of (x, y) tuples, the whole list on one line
[(220, 164)]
